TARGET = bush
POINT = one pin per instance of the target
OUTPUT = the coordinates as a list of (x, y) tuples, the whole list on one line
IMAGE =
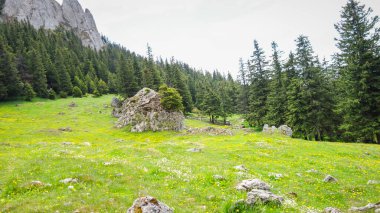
[(51, 94), (29, 92), (77, 93), (102, 87), (171, 100), (63, 94), (97, 94)]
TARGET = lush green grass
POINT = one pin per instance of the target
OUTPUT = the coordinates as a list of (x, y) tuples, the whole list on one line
[(157, 164)]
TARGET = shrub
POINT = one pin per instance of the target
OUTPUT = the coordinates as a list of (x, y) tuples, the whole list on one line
[(77, 92), (171, 100), (102, 87), (97, 94), (51, 94), (63, 94), (29, 92)]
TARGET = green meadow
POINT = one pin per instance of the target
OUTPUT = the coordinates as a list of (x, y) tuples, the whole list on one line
[(114, 166)]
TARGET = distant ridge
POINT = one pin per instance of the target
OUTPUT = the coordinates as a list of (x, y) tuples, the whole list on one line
[(49, 14)]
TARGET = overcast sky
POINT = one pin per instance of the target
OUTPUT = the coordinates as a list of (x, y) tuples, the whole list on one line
[(214, 34)]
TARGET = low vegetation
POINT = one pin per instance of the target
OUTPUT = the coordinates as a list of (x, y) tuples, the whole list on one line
[(43, 142)]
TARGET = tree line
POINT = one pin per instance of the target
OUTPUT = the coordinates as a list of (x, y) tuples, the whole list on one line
[(320, 100)]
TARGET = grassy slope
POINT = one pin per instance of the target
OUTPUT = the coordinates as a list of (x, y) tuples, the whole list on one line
[(157, 164)]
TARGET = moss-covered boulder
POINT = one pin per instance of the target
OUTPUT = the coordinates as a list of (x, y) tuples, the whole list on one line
[(144, 112)]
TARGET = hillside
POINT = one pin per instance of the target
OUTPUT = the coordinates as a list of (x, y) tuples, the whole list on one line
[(115, 167)]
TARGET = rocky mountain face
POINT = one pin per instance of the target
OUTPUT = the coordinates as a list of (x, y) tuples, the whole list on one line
[(49, 14)]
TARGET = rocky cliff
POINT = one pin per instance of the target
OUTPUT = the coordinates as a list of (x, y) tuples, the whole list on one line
[(49, 14)]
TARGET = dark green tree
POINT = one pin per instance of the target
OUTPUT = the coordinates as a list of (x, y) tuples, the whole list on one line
[(358, 42), (259, 88), (171, 100), (29, 92)]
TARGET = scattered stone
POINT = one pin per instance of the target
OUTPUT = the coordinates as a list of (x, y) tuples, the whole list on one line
[(269, 130), (285, 130), (312, 171), (299, 174), (144, 112), (241, 168), (149, 205), (119, 175), (71, 187), (330, 178), (120, 141), (116, 102), (87, 144), (332, 210), (276, 176), (67, 129), (37, 183), (377, 210), (73, 104), (211, 197), (69, 180), (61, 113), (368, 207), (373, 182), (218, 178), (67, 143), (248, 185), (107, 164), (263, 197), (194, 150), (210, 131)]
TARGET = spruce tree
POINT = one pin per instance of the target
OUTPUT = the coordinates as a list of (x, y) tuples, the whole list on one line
[(277, 99), (38, 72), (259, 86), (243, 96), (358, 42)]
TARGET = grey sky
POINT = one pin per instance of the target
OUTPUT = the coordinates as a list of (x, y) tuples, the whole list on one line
[(213, 34)]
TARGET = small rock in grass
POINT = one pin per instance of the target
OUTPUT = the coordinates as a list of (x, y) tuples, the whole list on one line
[(37, 183), (120, 141), (263, 197), (218, 178), (368, 207), (373, 182), (69, 180), (119, 174), (248, 185), (276, 176), (71, 187), (332, 210), (107, 163), (312, 171), (87, 144), (241, 168), (73, 104), (149, 205), (293, 194), (194, 150), (211, 197), (299, 174), (65, 129), (330, 179), (67, 143)]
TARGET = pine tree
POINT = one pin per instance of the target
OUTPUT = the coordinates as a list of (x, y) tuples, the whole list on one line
[(28, 92), (358, 42), (38, 72), (276, 103), (259, 86), (64, 77), (244, 90)]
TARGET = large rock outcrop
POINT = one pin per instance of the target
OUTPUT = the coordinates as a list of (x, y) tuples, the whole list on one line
[(144, 112), (49, 14)]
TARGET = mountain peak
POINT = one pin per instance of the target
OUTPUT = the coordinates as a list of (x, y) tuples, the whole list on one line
[(49, 14)]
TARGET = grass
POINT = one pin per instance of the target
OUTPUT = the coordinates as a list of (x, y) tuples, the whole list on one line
[(157, 164)]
